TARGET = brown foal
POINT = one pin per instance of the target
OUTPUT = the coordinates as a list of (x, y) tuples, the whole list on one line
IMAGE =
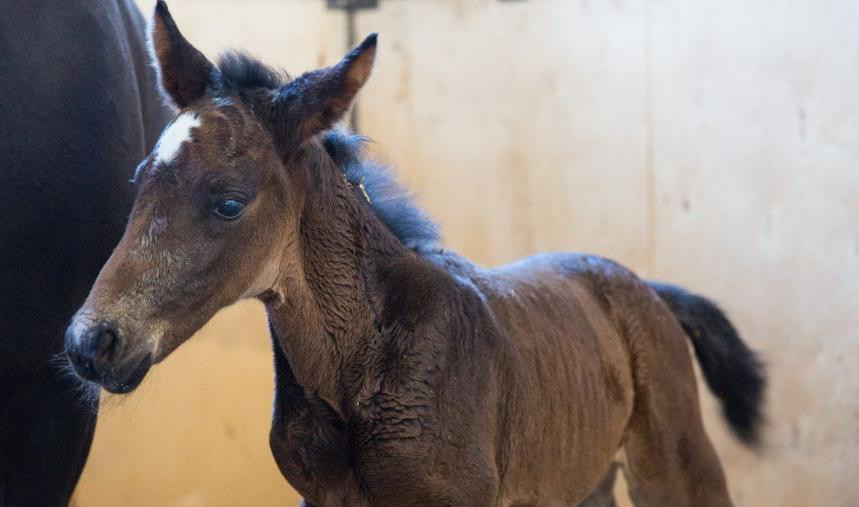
[(406, 375)]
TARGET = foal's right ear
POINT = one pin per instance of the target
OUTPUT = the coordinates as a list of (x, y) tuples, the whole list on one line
[(316, 100), (183, 72)]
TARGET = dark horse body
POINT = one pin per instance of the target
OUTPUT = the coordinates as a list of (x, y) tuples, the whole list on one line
[(406, 375), (530, 380), (78, 110)]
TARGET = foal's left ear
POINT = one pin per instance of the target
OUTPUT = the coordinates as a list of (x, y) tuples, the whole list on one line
[(183, 72), (315, 101)]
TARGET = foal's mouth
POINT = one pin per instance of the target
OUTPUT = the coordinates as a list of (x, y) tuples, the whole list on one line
[(117, 385), (105, 352), (112, 378)]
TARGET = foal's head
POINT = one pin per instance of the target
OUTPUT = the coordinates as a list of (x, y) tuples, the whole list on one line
[(219, 200)]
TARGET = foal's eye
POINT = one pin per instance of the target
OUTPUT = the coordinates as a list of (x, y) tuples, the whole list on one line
[(229, 209)]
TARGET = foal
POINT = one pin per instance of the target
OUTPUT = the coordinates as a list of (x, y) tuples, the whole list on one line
[(405, 374)]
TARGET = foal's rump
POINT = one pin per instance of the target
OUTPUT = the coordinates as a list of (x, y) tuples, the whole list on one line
[(602, 362)]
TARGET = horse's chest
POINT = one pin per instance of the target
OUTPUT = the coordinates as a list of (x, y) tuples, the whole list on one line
[(329, 461), (312, 450)]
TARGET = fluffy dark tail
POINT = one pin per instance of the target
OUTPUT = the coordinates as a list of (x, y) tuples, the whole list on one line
[(732, 370)]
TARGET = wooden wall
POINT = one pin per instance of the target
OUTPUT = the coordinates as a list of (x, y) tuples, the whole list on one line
[(713, 144)]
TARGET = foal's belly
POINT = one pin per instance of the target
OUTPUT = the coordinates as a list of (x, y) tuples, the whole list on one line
[(572, 398)]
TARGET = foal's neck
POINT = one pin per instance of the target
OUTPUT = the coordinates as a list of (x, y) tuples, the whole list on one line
[(326, 322)]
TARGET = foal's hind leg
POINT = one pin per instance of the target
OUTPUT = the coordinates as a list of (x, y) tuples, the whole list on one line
[(603, 496), (669, 459)]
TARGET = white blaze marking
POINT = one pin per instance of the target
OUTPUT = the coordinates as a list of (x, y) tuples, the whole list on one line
[(171, 140)]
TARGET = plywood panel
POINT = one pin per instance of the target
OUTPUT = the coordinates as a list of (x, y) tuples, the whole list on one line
[(756, 144), (490, 110)]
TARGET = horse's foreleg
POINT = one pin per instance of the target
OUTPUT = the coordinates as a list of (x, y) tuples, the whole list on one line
[(45, 435), (308, 438)]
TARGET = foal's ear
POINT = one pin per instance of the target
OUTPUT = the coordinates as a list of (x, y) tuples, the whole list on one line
[(183, 72), (315, 101)]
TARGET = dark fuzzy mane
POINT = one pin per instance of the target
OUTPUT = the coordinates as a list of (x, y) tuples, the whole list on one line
[(240, 70), (392, 202)]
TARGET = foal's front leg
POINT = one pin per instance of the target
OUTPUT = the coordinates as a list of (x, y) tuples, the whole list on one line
[(308, 438)]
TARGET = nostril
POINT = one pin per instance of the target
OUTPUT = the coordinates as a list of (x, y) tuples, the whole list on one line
[(105, 342)]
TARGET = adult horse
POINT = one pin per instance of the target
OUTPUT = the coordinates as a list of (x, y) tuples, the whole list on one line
[(405, 374), (78, 109)]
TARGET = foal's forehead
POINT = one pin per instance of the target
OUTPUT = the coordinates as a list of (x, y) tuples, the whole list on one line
[(218, 129)]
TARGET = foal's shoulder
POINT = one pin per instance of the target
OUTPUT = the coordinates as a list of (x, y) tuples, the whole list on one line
[(420, 288)]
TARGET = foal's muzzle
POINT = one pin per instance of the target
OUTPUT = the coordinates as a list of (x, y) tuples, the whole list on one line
[(97, 354)]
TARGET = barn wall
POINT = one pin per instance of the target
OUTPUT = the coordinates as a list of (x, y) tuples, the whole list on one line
[(712, 144)]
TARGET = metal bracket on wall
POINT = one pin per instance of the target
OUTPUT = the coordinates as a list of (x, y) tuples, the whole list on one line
[(352, 5), (368, 4)]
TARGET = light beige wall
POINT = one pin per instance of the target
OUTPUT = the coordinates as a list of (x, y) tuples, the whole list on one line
[(712, 144)]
